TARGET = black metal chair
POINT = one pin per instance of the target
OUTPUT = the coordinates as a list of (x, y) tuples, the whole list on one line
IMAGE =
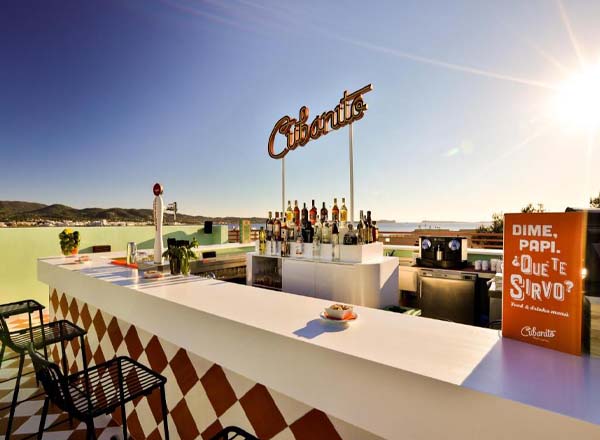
[(233, 432), (97, 390), (40, 337)]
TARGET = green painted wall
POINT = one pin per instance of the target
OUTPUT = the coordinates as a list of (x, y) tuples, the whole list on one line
[(21, 247)]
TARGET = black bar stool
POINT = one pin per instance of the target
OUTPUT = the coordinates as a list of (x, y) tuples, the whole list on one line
[(233, 432), (97, 390), (40, 336), (28, 306)]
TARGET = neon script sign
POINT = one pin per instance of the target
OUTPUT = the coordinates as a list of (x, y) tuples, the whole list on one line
[(298, 133)]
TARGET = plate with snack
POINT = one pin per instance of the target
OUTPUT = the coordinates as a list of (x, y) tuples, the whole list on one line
[(339, 313), (152, 274)]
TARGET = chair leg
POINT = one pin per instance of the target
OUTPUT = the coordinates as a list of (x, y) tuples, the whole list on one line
[(65, 366), (2, 353), (13, 406), (163, 400), (83, 355), (43, 419), (90, 431), (43, 335), (124, 418)]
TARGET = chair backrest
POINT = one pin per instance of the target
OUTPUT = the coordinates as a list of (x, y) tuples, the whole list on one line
[(53, 381), (4, 332)]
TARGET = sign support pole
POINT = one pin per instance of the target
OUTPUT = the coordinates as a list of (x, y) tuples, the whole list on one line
[(351, 154), (283, 184)]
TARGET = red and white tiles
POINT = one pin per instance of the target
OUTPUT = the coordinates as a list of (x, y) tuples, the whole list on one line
[(202, 397)]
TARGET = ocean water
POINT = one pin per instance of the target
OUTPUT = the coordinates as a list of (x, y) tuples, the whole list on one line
[(409, 227)]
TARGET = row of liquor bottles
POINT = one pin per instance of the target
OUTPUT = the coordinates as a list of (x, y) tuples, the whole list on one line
[(304, 226)]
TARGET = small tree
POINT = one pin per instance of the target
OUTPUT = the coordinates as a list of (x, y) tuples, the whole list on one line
[(595, 201), (531, 209), (497, 225)]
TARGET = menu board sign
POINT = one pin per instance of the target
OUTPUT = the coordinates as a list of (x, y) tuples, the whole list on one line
[(542, 289)]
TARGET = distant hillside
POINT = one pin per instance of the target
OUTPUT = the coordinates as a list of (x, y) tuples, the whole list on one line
[(11, 211), (10, 208)]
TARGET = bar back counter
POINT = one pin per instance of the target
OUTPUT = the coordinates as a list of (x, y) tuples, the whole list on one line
[(264, 360)]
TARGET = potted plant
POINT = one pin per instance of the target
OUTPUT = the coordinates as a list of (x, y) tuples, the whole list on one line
[(180, 253), (69, 241)]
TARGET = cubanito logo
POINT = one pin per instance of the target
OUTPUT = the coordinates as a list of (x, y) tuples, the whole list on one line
[(532, 332)]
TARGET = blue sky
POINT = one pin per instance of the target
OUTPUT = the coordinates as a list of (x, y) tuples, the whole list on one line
[(100, 99)]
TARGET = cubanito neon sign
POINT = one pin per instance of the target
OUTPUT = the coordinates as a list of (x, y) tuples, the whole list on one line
[(298, 133)]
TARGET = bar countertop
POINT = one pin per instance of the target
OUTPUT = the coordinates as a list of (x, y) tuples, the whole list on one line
[(446, 380)]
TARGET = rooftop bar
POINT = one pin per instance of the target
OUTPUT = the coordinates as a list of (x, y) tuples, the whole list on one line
[(264, 360)]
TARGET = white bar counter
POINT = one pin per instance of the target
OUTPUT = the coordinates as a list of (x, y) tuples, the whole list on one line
[(386, 375)]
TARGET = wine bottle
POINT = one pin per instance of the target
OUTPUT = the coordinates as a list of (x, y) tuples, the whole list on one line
[(361, 229), (313, 213), (369, 228), (324, 214), (289, 213), (269, 227), (296, 213), (375, 232), (262, 241), (304, 217), (335, 242), (277, 227), (344, 211), (335, 212)]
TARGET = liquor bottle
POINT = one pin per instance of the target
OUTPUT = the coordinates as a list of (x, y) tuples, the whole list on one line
[(262, 241), (313, 213), (326, 233), (335, 212), (284, 231), (316, 246), (369, 228), (289, 214), (344, 211), (299, 243), (284, 240), (296, 213), (269, 227), (375, 232), (304, 216), (277, 227), (361, 229), (335, 242), (350, 237), (318, 230), (323, 214), (307, 233)]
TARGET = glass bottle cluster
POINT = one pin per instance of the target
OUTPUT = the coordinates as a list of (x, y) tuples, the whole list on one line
[(316, 227)]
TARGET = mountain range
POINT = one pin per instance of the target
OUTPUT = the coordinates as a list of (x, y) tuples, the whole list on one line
[(11, 211)]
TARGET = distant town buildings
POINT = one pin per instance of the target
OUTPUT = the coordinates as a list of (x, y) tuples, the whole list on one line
[(68, 223)]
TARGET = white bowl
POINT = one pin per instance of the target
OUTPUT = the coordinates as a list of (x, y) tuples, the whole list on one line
[(339, 313)]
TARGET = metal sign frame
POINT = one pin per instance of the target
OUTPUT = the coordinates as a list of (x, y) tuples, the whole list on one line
[(298, 133)]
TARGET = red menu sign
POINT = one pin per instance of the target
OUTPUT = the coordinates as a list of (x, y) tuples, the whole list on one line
[(542, 284)]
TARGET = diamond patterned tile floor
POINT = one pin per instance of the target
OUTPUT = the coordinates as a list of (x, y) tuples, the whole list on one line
[(28, 413)]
